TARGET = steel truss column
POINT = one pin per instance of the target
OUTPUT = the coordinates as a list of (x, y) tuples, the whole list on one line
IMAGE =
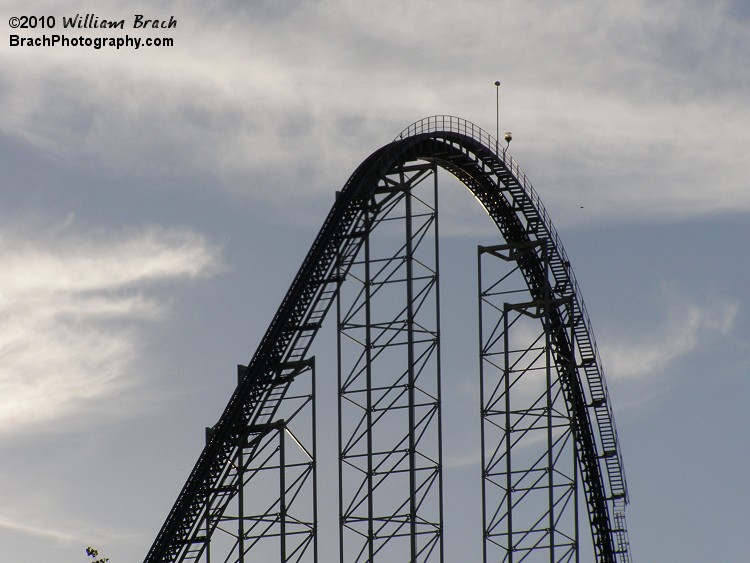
[(390, 457), (529, 465), (369, 448), (273, 470)]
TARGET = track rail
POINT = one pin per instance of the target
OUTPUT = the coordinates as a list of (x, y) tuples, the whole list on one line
[(500, 185), (514, 178)]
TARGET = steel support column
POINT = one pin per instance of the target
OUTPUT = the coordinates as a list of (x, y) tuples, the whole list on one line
[(530, 481), (274, 470), (389, 391)]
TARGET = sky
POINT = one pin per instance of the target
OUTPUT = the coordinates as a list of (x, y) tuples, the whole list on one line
[(155, 203)]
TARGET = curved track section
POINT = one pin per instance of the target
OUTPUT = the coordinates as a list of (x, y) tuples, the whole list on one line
[(497, 182)]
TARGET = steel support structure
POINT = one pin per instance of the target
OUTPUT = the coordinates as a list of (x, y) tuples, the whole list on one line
[(529, 466), (267, 500), (547, 420), (390, 479)]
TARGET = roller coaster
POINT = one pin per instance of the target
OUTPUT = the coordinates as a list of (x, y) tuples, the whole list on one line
[(551, 471)]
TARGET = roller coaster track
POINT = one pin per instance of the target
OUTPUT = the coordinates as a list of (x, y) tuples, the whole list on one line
[(502, 188)]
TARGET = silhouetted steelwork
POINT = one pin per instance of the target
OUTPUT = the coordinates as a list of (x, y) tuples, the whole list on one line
[(528, 454), (547, 423), (390, 463)]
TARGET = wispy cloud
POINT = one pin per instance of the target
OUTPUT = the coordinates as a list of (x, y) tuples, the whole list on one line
[(648, 102), (638, 363), (687, 323), (72, 305), (37, 529), (52, 529), (462, 459)]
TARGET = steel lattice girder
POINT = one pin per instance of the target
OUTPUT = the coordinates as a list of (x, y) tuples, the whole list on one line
[(529, 486), (503, 190), (389, 391)]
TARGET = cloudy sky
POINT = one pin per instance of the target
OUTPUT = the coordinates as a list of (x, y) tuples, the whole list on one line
[(155, 203)]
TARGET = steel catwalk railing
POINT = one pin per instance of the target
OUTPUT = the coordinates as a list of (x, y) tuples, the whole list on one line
[(529, 477), (474, 166), (475, 158), (263, 384), (600, 402)]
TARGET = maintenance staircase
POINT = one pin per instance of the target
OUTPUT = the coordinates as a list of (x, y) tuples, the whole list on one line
[(264, 382), (604, 446)]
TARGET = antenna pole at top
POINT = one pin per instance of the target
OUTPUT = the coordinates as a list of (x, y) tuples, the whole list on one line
[(497, 112)]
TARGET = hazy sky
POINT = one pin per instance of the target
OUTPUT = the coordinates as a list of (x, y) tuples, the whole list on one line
[(156, 203)]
